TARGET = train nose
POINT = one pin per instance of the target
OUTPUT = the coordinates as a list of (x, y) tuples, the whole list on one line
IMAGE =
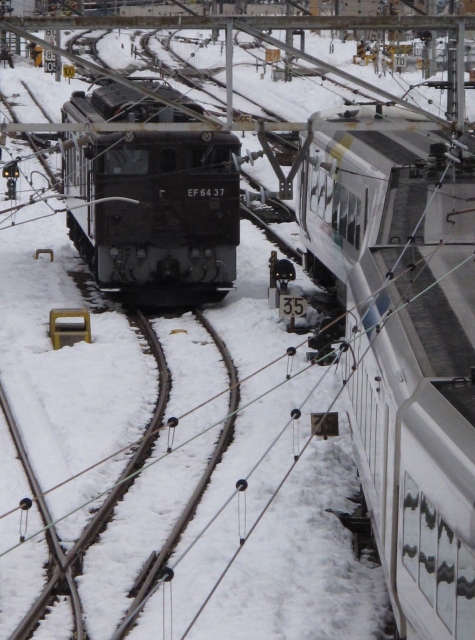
[(168, 270)]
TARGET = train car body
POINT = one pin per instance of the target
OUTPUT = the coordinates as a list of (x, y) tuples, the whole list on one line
[(406, 277), (177, 244)]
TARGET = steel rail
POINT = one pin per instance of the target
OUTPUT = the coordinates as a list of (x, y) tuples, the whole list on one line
[(339, 72), (159, 563), (122, 485), (54, 179), (61, 570), (212, 123), (273, 235)]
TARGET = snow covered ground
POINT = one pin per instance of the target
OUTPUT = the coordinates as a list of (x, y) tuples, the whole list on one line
[(296, 578)]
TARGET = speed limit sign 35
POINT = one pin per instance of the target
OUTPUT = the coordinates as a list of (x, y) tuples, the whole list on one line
[(292, 306)]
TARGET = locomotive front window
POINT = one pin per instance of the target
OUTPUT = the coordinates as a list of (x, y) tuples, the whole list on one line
[(213, 159), (126, 161)]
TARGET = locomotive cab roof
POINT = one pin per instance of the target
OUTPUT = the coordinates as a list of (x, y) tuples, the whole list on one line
[(116, 100)]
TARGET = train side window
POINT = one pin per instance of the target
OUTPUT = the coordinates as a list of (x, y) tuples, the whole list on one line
[(303, 199), (358, 223), (465, 594), (351, 218), (126, 161), (222, 159), (314, 191), (321, 196), (366, 205), (446, 558), (167, 161), (328, 200), (343, 212), (428, 550), (374, 441), (336, 205), (410, 536)]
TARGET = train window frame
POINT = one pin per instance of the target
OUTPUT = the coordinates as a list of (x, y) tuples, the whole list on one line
[(336, 205), (343, 211), (464, 632), (329, 190), (366, 209), (138, 161), (358, 223), (445, 601), (373, 443), (427, 581), (410, 533), (216, 164), (350, 227), (314, 190)]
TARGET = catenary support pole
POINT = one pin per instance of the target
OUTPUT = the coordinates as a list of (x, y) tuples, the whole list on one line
[(460, 74), (229, 73)]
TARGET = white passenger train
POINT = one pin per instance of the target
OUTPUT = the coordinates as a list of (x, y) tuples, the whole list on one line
[(410, 368)]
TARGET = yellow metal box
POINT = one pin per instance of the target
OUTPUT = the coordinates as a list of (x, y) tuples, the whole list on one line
[(68, 326)]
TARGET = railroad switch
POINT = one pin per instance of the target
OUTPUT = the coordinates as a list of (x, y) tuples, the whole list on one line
[(68, 326)]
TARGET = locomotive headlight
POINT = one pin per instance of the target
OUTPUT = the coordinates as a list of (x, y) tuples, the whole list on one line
[(208, 253), (207, 136), (114, 252), (195, 254)]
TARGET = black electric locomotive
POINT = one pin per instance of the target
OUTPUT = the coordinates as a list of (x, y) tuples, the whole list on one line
[(160, 222)]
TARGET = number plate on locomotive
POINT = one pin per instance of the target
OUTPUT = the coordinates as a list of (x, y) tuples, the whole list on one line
[(206, 192)]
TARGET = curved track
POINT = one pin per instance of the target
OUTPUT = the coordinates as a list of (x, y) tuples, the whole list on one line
[(62, 572), (153, 572), (70, 563)]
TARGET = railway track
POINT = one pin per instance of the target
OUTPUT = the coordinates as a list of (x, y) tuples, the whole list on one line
[(71, 563), (153, 571), (60, 578), (32, 140), (69, 566)]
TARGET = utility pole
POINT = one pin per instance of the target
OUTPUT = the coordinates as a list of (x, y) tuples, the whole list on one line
[(460, 75), (229, 74), (433, 43), (58, 57), (289, 40)]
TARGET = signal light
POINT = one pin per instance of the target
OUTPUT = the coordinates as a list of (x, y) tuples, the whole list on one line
[(11, 170)]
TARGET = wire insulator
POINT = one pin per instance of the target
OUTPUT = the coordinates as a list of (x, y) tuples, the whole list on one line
[(295, 415), (291, 351), (25, 505), (167, 577), (168, 574), (172, 423), (241, 486)]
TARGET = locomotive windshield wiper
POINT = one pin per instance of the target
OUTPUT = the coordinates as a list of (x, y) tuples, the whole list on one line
[(206, 154)]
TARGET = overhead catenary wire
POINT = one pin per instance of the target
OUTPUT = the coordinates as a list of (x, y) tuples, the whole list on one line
[(152, 463), (205, 402), (132, 615), (266, 507), (386, 317), (127, 447)]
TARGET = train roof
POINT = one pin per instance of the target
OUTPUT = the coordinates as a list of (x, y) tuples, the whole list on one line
[(428, 232), (120, 103)]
